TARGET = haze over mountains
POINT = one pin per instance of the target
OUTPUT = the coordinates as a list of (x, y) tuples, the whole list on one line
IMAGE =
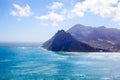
[(97, 38)]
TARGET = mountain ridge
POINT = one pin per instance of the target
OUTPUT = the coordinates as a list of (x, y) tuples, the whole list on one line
[(96, 38), (99, 37), (63, 41)]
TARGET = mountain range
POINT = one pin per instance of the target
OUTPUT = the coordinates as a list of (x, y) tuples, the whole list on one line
[(80, 38)]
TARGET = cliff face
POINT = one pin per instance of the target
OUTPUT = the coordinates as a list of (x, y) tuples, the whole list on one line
[(63, 41)]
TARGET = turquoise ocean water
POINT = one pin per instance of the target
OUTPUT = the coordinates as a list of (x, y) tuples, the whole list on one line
[(27, 61)]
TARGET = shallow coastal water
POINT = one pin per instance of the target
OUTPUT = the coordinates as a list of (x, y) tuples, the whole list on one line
[(31, 62)]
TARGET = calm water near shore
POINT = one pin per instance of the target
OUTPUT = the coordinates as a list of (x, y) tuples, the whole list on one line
[(28, 61)]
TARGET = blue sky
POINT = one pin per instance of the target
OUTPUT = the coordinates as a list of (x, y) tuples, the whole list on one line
[(38, 20)]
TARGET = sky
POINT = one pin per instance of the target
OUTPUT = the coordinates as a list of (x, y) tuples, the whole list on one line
[(39, 20)]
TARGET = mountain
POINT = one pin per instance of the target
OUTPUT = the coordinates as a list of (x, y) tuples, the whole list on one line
[(63, 41), (98, 37)]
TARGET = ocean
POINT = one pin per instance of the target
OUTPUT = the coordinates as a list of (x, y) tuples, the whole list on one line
[(29, 61)]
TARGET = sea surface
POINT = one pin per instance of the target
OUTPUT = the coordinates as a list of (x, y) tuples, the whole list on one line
[(28, 61)]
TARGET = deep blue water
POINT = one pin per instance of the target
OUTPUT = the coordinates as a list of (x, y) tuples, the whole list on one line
[(30, 62)]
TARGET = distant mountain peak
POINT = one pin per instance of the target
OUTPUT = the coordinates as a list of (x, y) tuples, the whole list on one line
[(61, 32), (102, 27), (84, 26), (79, 25), (91, 35)]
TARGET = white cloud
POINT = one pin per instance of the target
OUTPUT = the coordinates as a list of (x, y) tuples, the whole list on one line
[(52, 16), (117, 13), (21, 10), (104, 8), (79, 9), (55, 6)]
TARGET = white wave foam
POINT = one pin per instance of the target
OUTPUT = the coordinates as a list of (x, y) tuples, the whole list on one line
[(45, 69), (106, 78), (110, 56), (21, 47)]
